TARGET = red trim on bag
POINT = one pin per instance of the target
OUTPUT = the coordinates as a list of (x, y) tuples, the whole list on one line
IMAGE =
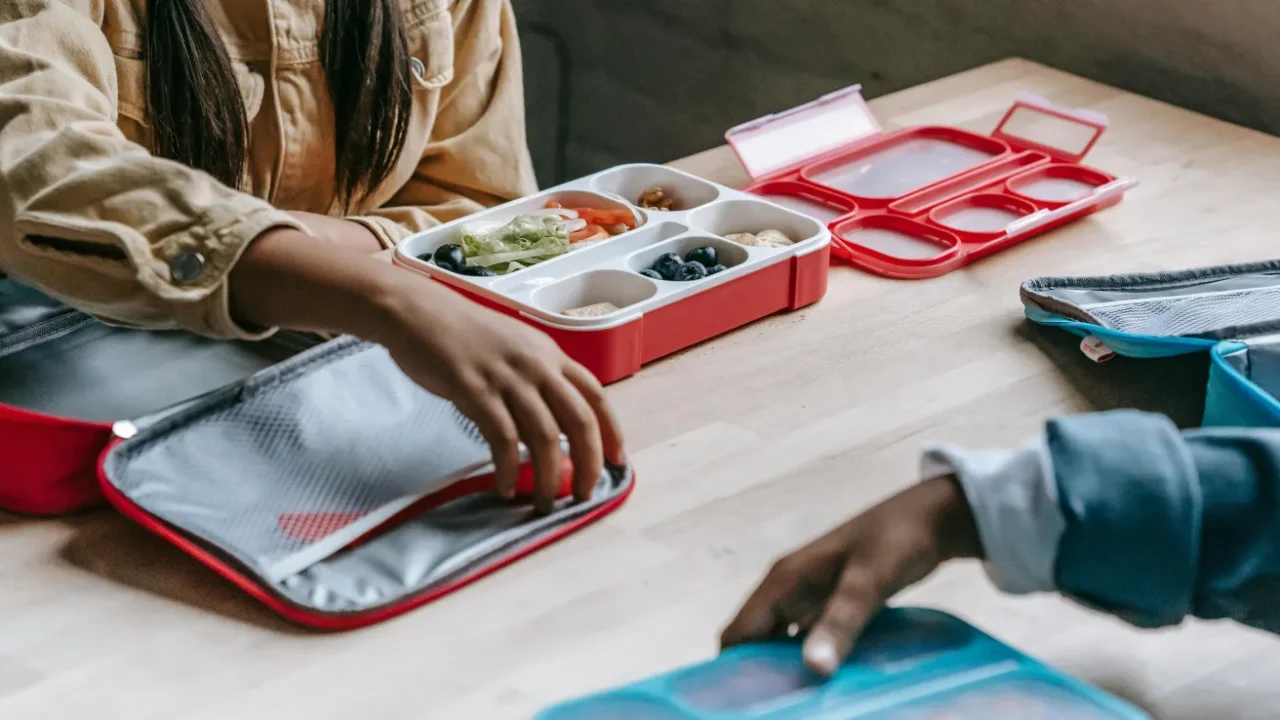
[(48, 462), (344, 621)]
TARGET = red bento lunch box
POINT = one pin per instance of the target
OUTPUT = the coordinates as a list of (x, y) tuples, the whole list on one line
[(654, 317), (920, 202)]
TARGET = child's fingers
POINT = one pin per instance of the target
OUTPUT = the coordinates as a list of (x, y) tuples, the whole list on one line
[(593, 393), (541, 435), (498, 428), (855, 601), (760, 616), (578, 422)]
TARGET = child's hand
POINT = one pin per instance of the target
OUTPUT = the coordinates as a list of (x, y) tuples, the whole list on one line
[(511, 380), (835, 585), (514, 382)]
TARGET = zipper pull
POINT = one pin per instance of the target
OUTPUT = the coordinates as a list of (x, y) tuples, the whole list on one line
[(123, 429)]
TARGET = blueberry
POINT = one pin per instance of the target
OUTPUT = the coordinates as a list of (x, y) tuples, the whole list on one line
[(450, 257), (716, 269), (691, 271), (477, 271), (651, 274), (704, 255), (667, 266)]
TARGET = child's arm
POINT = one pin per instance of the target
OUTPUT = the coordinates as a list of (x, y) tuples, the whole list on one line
[(1118, 510), (1121, 511)]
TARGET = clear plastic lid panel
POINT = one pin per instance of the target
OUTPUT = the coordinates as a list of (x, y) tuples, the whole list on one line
[(1009, 698), (816, 210), (789, 139), (1056, 189), (900, 169), (895, 243), (745, 685)]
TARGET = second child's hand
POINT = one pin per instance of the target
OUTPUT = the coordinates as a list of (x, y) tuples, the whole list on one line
[(834, 586)]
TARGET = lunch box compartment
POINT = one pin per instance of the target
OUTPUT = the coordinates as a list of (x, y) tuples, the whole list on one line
[(424, 244), (602, 256), (1057, 185), (745, 685), (981, 217), (813, 201), (750, 216), (618, 287), (628, 182), (898, 239), (908, 162), (1017, 696), (981, 178), (729, 254)]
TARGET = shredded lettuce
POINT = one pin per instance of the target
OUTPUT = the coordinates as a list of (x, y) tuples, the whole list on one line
[(525, 241)]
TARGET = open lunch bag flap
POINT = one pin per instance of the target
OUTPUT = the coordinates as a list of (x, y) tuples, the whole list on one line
[(314, 475), (1231, 312)]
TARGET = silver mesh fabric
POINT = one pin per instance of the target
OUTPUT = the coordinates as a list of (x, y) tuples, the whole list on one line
[(1219, 315), (299, 454)]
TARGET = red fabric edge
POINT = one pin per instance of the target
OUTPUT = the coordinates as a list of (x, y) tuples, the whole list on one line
[(319, 620)]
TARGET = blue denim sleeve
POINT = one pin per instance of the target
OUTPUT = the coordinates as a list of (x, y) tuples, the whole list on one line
[(1160, 524)]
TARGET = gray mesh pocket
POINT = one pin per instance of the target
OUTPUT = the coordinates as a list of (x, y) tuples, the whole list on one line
[(1216, 315), (304, 453)]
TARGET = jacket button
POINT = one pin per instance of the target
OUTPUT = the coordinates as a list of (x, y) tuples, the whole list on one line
[(419, 69), (186, 268)]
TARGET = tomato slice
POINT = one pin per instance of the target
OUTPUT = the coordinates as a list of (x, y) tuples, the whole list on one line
[(607, 217), (589, 233)]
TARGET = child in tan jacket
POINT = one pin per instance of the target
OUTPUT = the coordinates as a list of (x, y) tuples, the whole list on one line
[(230, 166)]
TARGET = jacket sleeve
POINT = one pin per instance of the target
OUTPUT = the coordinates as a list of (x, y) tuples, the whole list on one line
[(87, 216), (1124, 513), (478, 153)]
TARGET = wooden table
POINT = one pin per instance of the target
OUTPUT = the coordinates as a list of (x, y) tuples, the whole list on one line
[(746, 446)]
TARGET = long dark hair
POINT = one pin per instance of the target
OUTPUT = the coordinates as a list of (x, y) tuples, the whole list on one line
[(198, 115)]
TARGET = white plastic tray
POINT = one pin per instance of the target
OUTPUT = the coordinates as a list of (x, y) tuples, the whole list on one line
[(608, 271)]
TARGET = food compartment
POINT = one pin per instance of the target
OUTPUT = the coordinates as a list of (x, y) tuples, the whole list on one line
[(910, 637), (1057, 185), (905, 162), (898, 239), (749, 217), (656, 188), (983, 216), (617, 707), (666, 261), (746, 684), (975, 179), (1015, 696), (587, 259), (519, 235), (816, 202), (595, 293)]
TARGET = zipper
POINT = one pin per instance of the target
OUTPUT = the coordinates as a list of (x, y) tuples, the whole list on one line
[(44, 331)]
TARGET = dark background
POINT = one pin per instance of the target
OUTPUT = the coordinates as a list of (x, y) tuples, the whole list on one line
[(614, 81)]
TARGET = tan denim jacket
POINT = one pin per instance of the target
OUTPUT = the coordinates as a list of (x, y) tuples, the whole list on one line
[(147, 242)]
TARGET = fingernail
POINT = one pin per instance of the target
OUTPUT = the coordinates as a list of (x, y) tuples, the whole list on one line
[(820, 654)]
